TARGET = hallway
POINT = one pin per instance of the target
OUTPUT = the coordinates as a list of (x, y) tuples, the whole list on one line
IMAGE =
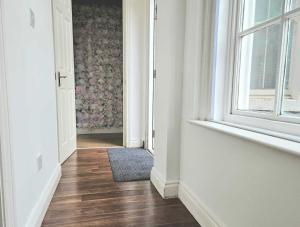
[(88, 196)]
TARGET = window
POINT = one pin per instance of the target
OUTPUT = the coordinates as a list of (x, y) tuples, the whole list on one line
[(266, 59)]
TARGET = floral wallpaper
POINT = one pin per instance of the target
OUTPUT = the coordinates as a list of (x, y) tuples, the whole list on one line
[(98, 65)]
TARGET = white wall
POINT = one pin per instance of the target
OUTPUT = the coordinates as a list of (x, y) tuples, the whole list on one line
[(224, 180), (239, 183), (32, 103), (169, 66), (136, 60)]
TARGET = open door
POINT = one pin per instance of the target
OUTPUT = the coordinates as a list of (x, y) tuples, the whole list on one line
[(65, 81)]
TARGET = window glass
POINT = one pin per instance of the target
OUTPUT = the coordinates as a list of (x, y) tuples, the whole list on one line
[(258, 69), (294, 4), (291, 97), (258, 11)]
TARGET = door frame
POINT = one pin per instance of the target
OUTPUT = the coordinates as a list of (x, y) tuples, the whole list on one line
[(125, 13), (6, 164), (150, 24), (128, 25)]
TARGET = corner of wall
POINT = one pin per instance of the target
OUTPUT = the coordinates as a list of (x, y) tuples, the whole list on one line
[(135, 143), (177, 189), (167, 189), (203, 216), (39, 211)]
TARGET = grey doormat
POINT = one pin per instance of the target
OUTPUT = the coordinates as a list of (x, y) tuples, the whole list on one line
[(130, 164)]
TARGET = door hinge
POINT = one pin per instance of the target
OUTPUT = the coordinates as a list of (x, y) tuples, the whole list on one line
[(154, 73), (155, 12), (153, 133)]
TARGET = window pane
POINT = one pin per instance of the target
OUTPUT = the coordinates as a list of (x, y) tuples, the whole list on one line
[(291, 97), (293, 4), (259, 69), (258, 11)]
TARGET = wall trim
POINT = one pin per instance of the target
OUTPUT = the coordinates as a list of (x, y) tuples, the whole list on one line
[(39, 211), (174, 189), (203, 216), (98, 130), (167, 189), (135, 143), (132, 58), (149, 92)]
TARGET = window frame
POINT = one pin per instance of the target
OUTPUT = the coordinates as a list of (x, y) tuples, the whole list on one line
[(275, 121)]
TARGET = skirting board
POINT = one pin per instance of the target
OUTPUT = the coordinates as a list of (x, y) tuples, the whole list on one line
[(197, 208), (39, 211), (99, 131), (167, 189), (135, 143)]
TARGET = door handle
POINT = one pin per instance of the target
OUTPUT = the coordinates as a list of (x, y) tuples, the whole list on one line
[(60, 77)]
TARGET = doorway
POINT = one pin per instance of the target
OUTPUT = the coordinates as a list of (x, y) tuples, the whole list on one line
[(98, 58), (88, 58), (81, 117)]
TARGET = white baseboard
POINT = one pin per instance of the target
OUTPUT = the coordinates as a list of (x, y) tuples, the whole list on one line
[(39, 211), (135, 143), (157, 182), (167, 189), (99, 130), (197, 208)]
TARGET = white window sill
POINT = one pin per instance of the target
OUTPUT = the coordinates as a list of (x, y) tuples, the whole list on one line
[(267, 140)]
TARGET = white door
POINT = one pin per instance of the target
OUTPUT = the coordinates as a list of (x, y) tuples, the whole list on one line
[(65, 81)]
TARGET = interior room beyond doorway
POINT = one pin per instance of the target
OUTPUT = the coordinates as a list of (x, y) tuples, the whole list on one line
[(98, 50)]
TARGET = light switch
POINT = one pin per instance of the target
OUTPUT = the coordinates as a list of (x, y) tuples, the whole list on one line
[(32, 18)]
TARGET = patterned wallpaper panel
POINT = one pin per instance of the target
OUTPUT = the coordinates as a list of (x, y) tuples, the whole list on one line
[(98, 65)]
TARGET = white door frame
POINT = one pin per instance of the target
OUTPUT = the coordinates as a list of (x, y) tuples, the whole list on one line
[(150, 23), (125, 14), (6, 177), (128, 55)]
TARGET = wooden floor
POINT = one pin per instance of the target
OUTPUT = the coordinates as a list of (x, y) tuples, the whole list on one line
[(99, 140), (88, 196)]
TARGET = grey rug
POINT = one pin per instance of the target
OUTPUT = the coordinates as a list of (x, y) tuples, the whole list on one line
[(130, 164)]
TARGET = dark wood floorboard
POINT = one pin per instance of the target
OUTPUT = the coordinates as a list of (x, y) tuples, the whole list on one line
[(87, 196), (99, 140)]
